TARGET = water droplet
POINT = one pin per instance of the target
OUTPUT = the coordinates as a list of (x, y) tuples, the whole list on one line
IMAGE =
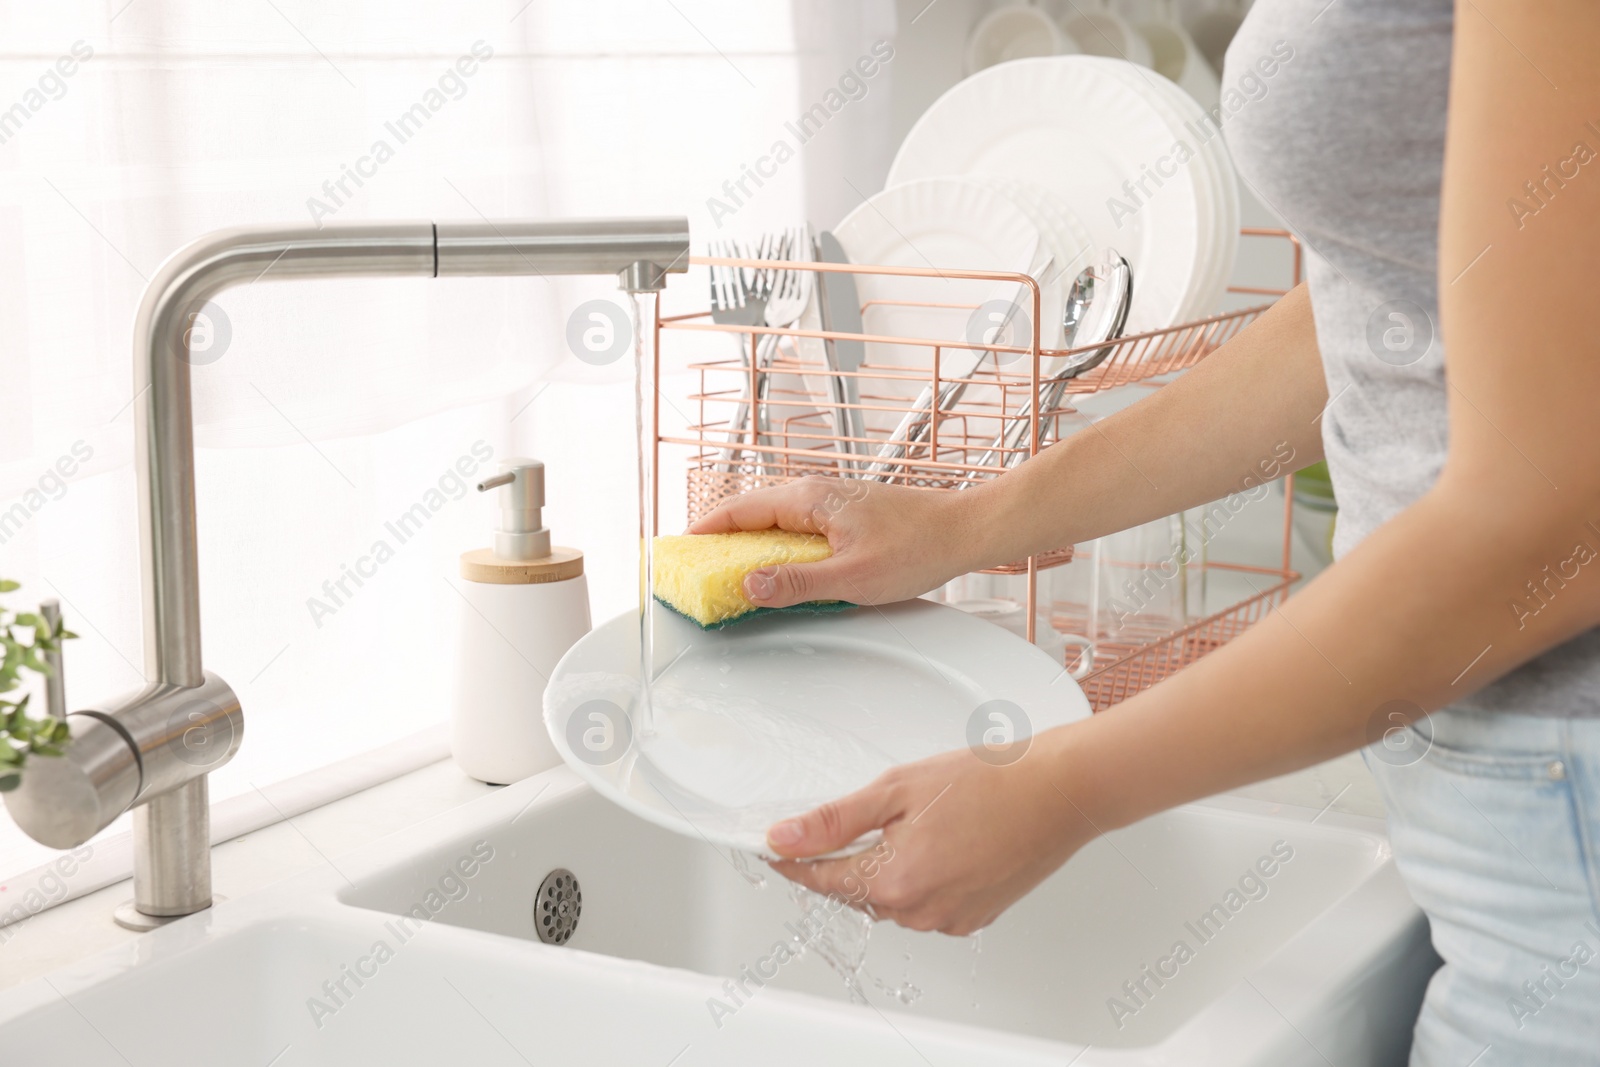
[(750, 867), (904, 991), (837, 933), (977, 950)]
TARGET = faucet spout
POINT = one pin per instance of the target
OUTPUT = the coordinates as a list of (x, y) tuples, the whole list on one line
[(153, 749)]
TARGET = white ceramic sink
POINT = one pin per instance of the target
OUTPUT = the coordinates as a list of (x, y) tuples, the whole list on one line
[(1321, 962)]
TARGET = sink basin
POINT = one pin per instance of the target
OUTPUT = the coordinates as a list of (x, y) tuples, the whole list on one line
[(1298, 945), (240, 1001)]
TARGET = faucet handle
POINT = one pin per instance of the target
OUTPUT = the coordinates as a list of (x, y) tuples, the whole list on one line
[(65, 800), (55, 683), (137, 748)]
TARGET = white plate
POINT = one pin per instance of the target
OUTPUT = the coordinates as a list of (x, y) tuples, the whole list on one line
[(1219, 256), (773, 716), (1066, 124), (939, 223), (1177, 108), (1218, 188), (1219, 253)]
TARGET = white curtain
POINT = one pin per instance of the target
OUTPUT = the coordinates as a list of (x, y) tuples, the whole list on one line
[(326, 409)]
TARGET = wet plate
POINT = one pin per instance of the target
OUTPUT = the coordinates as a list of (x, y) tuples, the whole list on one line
[(776, 715)]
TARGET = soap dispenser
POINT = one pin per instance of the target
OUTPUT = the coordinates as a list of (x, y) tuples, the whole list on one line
[(526, 603)]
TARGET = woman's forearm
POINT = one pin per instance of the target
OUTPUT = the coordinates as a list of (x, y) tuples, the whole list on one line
[(1422, 613), (1247, 414)]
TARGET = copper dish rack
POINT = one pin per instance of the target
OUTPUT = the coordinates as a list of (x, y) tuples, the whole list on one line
[(797, 438)]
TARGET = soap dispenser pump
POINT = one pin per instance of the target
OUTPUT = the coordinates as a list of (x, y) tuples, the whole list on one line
[(525, 603)]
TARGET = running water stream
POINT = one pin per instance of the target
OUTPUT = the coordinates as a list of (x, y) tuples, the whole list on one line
[(836, 932), (977, 950), (751, 867), (839, 934), (645, 409)]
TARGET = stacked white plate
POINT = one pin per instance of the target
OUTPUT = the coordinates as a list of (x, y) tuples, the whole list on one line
[(1219, 199), (1116, 145), (984, 222)]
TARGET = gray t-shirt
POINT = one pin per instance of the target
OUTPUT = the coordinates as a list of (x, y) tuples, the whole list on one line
[(1345, 140)]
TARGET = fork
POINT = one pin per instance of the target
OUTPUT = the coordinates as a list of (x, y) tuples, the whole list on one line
[(790, 297), (738, 298), (766, 285)]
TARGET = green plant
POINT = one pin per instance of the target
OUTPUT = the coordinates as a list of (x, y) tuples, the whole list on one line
[(22, 735)]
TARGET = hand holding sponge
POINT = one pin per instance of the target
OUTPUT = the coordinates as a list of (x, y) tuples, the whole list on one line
[(701, 576)]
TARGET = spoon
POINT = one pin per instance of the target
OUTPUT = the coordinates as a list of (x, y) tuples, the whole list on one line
[(1096, 307), (1116, 277)]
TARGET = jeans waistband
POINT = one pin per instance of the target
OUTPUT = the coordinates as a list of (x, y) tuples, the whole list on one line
[(1508, 733)]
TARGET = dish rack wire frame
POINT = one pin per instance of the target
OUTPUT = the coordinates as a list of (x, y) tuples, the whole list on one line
[(957, 438)]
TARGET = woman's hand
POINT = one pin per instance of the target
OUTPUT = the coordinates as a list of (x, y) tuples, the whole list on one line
[(889, 542), (966, 838)]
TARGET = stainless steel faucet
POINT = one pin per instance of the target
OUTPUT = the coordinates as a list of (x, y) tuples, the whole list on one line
[(152, 749)]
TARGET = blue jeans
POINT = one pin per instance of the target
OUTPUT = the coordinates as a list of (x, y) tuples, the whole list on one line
[(1495, 821)]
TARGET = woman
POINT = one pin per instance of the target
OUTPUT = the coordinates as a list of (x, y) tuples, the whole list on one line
[(1439, 166)]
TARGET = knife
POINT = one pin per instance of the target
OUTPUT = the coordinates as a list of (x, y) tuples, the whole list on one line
[(841, 313)]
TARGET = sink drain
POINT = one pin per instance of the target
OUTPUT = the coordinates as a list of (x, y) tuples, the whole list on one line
[(557, 907)]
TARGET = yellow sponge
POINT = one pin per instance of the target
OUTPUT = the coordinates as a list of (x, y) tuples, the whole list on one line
[(701, 576)]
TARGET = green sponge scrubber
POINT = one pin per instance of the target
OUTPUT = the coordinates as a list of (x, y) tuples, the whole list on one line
[(701, 576)]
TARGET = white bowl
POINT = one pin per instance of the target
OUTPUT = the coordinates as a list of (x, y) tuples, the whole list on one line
[(1102, 32), (1177, 58), (1015, 31), (1213, 30)]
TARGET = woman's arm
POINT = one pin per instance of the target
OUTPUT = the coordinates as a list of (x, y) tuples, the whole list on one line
[(1405, 615), (1226, 425), (1217, 429), (1423, 611)]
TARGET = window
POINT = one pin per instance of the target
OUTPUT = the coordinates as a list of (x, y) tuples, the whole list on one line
[(329, 409)]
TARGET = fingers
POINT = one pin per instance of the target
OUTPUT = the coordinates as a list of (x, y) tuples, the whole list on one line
[(857, 880), (846, 882), (782, 506), (819, 876), (836, 823), (796, 583)]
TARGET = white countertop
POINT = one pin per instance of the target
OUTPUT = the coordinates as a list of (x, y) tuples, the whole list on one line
[(82, 927)]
